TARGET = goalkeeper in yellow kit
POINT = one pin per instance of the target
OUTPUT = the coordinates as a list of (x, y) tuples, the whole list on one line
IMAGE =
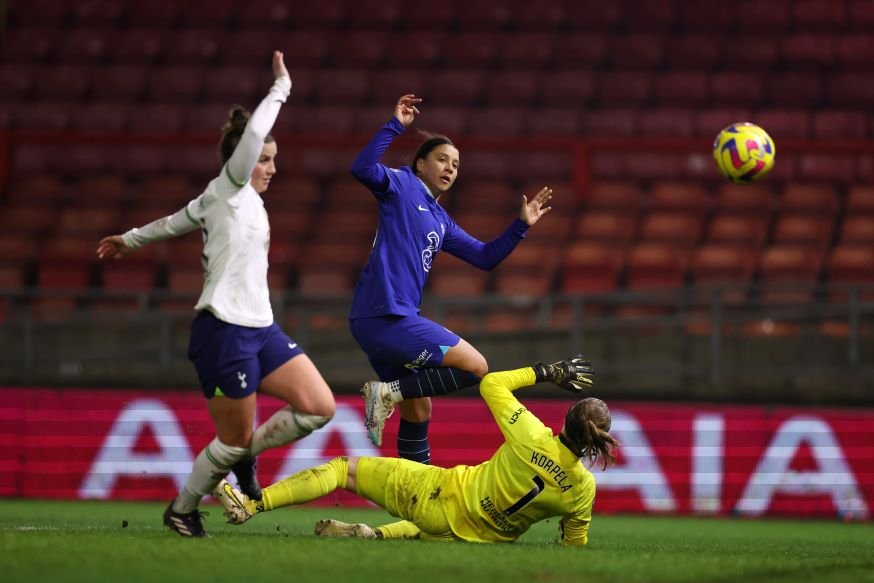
[(534, 475)]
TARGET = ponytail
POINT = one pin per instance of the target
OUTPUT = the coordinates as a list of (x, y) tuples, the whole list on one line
[(587, 426), (232, 132)]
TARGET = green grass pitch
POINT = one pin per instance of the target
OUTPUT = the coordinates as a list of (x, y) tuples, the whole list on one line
[(115, 541)]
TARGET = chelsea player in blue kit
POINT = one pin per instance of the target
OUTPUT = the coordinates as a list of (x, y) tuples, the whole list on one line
[(414, 357)]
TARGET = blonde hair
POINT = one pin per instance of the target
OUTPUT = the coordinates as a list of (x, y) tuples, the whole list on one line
[(587, 426)]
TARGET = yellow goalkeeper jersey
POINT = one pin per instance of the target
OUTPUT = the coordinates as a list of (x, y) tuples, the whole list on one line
[(531, 477)]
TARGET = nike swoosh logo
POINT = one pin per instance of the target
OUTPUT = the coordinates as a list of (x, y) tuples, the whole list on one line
[(292, 346), (423, 209)]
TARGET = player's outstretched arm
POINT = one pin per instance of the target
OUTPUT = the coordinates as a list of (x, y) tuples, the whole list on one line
[(113, 247), (574, 374)]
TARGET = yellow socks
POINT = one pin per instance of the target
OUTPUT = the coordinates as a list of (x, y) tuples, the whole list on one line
[(306, 485), (400, 529)]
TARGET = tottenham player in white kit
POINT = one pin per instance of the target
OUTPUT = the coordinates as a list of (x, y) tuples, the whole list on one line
[(235, 345)]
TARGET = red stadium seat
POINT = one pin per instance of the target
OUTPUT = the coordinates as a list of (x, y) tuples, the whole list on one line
[(512, 87), (857, 229), (621, 196), (851, 263), (841, 124), (552, 122), (157, 117), (671, 227), (613, 227), (819, 14), (28, 219), (808, 50), (525, 49), (233, 85), (175, 84), (83, 45), (785, 123), (331, 120), (528, 271), (294, 192), (439, 16), (690, 88), (565, 200), (679, 196), (345, 86), (325, 280), (17, 81), (358, 48), (631, 51), (853, 50), (631, 88), (267, 13), (673, 122), (347, 192), (738, 229), (477, 50), (828, 167), (131, 274), (119, 83), (656, 265), (590, 267), (106, 190), (854, 89), (193, 46), (136, 46), (803, 229), (793, 268), (47, 13), (652, 15), (728, 265), (376, 14), (796, 88), (594, 16), (18, 249), (451, 277), (773, 17), (734, 87), (694, 51), (92, 222), (497, 122), (484, 197), (708, 122), (358, 226), (708, 17), (746, 198), (484, 227), (206, 13), (415, 49), (320, 14), (29, 45), (40, 116), (485, 15), (860, 199), (611, 123), (65, 83), (568, 88), (158, 14), (820, 199), (537, 16), (455, 86), (580, 51), (451, 121)]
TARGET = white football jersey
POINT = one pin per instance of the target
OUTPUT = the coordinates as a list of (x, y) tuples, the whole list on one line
[(236, 239), (236, 233)]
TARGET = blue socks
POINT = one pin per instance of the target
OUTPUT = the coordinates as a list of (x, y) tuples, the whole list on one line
[(430, 382), (413, 441)]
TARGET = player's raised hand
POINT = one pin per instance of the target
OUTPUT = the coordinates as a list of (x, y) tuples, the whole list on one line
[(112, 247), (535, 208), (279, 69), (406, 110), (574, 374)]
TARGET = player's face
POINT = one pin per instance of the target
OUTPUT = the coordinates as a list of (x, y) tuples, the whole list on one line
[(265, 168), (439, 169)]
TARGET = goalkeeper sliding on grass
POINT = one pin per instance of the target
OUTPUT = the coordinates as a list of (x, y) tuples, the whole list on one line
[(534, 475)]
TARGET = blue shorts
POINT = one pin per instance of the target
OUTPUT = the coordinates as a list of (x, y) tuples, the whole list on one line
[(398, 345), (231, 360)]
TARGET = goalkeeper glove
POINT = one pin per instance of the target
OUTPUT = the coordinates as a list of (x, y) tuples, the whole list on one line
[(573, 374)]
